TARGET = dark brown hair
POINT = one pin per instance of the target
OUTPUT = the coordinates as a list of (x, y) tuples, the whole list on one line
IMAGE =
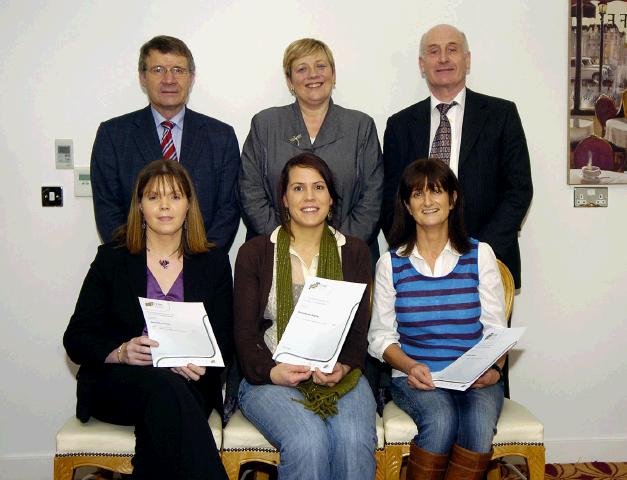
[(161, 173), (165, 44), (306, 160), (432, 174)]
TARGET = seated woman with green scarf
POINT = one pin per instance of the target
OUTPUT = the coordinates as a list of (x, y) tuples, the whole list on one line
[(322, 424)]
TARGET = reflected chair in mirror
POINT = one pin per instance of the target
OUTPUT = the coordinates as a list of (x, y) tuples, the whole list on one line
[(243, 443), (596, 150), (103, 445), (519, 432), (604, 109)]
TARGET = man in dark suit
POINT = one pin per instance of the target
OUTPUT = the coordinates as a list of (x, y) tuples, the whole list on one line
[(206, 147), (486, 147)]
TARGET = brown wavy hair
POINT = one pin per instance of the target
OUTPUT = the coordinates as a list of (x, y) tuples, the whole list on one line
[(433, 174), (161, 173)]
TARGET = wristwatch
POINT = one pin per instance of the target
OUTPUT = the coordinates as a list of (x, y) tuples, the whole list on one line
[(499, 370)]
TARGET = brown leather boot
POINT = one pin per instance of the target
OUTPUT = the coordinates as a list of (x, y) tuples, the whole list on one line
[(423, 465), (466, 464)]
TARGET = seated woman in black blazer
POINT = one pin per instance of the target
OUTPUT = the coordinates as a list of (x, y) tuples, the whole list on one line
[(161, 253)]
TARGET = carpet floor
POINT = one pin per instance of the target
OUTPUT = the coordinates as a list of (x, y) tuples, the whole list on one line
[(576, 471), (553, 471)]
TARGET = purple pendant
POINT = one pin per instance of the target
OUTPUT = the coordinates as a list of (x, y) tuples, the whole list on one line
[(164, 263)]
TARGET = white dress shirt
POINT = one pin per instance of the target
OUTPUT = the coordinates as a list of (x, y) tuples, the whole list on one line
[(455, 116), (383, 325)]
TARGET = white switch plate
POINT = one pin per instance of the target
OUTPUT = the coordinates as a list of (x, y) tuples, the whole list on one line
[(82, 182), (591, 197), (64, 153)]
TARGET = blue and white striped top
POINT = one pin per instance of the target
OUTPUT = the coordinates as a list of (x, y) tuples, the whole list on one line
[(438, 317)]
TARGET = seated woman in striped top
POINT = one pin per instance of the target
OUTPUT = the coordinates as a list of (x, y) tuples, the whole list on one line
[(436, 291)]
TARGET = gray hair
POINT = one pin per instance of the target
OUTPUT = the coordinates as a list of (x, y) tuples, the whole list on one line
[(165, 44)]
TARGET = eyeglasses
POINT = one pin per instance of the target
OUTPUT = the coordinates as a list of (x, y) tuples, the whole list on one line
[(161, 71)]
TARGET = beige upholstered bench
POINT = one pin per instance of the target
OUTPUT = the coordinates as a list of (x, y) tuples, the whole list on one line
[(103, 445), (243, 443), (519, 433)]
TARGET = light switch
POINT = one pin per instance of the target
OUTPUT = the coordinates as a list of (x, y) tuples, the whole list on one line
[(51, 196)]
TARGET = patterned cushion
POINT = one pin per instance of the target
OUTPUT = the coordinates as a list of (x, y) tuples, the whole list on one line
[(96, 437), (516, 425)]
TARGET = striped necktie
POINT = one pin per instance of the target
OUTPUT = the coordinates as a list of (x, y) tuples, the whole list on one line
[(167, 142), (441, 146)]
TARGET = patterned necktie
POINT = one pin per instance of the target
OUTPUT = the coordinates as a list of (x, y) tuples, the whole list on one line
[(441, 146), (167, 142)]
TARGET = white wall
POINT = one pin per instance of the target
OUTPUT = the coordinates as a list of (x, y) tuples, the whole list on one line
[(68, 65)]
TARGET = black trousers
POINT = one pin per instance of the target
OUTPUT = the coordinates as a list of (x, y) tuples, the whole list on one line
[(173, 438)]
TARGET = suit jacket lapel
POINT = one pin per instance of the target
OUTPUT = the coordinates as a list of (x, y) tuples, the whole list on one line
[(146, 135), (420, 128), (193, 136), (331, 129), (136, 265), (295, 131), (475, 115), (191, 277)]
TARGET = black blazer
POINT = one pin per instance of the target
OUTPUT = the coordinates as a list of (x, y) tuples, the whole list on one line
[(108, 313), (209, 152), (494, 169)]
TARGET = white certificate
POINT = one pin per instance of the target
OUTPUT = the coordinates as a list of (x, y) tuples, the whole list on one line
[(319, 323), (463, 372), (183, 332)]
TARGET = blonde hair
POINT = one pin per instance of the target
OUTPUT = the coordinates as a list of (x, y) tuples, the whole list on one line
[(161, 173), (302, 48)]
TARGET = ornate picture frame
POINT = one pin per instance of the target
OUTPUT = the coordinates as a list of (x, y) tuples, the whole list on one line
[(597, 128)]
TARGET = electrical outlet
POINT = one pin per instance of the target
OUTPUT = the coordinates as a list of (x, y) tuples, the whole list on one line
[(591, 197)]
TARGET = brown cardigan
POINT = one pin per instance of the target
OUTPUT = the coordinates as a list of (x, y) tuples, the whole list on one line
[(253, 280)]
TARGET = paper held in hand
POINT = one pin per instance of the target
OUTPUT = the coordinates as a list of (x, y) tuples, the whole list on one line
[(463, 372), (319, 323), (183, 332)]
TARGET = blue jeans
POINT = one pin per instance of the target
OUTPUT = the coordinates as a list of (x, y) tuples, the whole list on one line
[(445, 417), (338, 448)]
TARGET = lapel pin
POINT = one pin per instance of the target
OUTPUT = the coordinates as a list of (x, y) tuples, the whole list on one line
[(296, 139)]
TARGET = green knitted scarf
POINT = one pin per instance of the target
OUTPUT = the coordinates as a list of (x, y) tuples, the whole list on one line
[(320, 399)]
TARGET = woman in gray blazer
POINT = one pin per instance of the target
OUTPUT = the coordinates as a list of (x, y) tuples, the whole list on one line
[(345, 139)]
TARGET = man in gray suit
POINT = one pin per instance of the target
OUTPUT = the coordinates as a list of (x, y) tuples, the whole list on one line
[(167, 128)]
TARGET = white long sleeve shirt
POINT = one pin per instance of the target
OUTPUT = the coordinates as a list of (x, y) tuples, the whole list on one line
[(383, 325)]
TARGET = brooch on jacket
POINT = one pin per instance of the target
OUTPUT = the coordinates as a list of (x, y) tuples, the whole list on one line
[(296, 139)]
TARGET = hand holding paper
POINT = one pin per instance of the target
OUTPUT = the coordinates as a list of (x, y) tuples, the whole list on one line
[(183, 332), (463, 372), (319, 323), (137, 351)]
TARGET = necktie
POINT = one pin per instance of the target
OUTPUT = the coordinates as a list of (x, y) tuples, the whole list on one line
[(167, 142), (441, 146)]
